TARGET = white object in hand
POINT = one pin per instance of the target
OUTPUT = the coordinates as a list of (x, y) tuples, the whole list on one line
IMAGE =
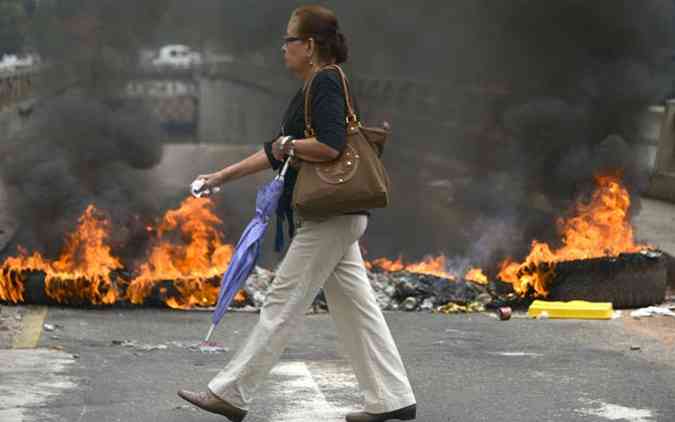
[(199, 189)]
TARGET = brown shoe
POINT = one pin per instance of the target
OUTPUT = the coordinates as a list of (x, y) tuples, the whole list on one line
[(405, 414), (211, 403)]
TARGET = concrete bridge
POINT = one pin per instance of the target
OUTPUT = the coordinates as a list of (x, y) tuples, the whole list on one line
[(239, 103), (242, 103), (16, 89), (663, 174)]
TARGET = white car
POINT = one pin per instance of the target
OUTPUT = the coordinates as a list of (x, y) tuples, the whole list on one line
[(180, 56), (12, 62)]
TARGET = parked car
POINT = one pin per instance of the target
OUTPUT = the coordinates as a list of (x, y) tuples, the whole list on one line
[(180, 56), (11, 62)]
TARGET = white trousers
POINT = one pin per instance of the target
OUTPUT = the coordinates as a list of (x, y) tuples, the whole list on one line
[(322, 254)]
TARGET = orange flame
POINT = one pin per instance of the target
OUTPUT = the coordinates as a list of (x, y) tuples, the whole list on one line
[(435, 266), (431, 266), (388, 265), (240, 297), (194, 262), (476, 275), (81, 274), (598, 228), (189, 251)]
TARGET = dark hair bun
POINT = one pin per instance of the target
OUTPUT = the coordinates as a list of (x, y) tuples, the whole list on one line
[(340, 48), (320, 23)]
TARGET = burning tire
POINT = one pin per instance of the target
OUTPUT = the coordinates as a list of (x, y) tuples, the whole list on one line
[(628, 280)]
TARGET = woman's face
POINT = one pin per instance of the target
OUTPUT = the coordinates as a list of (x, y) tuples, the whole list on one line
[(297, 51)]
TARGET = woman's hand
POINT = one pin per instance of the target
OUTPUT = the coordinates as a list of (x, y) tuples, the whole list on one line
[(212, 180), (277, 151)]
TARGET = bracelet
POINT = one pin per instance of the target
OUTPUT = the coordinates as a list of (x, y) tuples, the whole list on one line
[(282, 142), (292, 150)]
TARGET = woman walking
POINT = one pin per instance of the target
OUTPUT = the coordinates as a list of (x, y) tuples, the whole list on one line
[(322, 253)]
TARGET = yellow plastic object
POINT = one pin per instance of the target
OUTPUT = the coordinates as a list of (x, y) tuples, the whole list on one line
[(576, 309)]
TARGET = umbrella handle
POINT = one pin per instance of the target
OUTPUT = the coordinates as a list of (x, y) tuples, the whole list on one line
[(284, 169)]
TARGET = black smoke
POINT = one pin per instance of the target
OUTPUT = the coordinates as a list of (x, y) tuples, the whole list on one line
[(531, 99), (84, 144), (537, 98), (79, 151), (525, 101), (579, 76)]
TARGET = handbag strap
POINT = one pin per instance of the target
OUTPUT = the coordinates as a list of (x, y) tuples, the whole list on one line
[(352, 118)]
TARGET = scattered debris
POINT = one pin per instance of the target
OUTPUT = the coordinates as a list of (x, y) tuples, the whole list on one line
[(454, 308), (504, 313), (184, 407), (615, 412), (257, 285), (49, 327), (484, 298), (652, 311), (410, 303), (427, 305), (245, 309), (652, 253), (319, 304), (543, 315), (423, 292), (209, 347), (203, 347), (393, 291), (635, 347), (139, 346)]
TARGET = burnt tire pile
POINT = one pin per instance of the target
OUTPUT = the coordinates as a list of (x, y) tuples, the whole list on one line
[(627, 281), (35, 292)]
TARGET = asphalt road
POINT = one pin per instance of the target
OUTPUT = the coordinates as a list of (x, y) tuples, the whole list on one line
[(463, 368)]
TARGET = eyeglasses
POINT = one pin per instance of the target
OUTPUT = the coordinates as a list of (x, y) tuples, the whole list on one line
[(288, 40)]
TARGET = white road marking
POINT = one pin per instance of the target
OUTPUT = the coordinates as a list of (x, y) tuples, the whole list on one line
[(518, 354), (300, 397), (30, 377), (614, 412)]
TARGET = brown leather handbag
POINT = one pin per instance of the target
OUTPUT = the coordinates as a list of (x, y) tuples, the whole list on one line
[(355, 181)]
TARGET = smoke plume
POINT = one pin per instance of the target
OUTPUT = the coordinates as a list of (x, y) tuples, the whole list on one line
[(524, 102)]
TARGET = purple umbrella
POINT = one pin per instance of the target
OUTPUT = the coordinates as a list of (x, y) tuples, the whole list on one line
[(247, 250)]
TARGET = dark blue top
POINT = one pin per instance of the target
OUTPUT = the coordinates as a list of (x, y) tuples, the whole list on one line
[(329, 120), (329, 114)]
